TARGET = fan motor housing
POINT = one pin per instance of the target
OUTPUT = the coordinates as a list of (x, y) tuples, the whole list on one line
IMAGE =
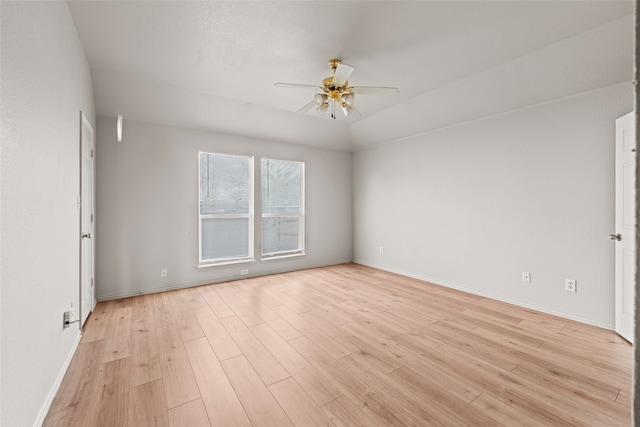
[(333, 91)]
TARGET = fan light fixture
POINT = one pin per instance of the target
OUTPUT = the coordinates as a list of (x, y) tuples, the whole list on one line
[(335, 90), (119, 128)]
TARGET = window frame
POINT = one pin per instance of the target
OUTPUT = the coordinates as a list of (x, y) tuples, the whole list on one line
[(250, 216), (300, 250)]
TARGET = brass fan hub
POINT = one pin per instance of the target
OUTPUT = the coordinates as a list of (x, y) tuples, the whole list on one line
[(335, 96), (328, 83), (329, 87)]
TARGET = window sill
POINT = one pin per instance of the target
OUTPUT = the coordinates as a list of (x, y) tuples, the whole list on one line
[(225, 263), (283, 256)]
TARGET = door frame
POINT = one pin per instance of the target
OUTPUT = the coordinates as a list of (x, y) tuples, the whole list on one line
[(84, 122), (625, 228)]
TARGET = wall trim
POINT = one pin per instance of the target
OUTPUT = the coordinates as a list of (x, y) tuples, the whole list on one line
[(604, 325), (44, 409), (215, 281)]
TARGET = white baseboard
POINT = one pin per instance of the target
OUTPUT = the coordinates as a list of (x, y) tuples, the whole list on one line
[(44, 410), (223, 279), (524, 304)]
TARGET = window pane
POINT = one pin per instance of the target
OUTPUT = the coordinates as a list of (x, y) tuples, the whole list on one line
[(279, 234), (224, 184), (225, 238), (281, 186)]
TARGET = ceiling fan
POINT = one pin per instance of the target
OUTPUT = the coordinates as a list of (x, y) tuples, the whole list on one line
[(335, 90)]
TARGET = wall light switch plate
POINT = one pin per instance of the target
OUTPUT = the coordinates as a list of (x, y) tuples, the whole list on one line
[(526, 277)]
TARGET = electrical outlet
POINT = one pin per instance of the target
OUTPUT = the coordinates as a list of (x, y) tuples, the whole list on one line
[(244, 272), (67, 319), (570, 285), (381, 250), (163, 272), (526, 277)]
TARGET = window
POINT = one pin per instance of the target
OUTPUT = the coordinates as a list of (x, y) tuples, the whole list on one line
[(282, 208), (226, 208)]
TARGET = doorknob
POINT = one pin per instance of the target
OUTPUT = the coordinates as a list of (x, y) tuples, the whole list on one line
[(86, 236), (617, 237)]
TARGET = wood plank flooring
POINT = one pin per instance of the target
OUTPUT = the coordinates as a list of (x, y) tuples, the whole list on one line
[(345, 345)]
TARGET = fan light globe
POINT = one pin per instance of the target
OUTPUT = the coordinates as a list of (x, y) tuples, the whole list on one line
[(320, 98), (346, 109), (322, 108), (349, 99)]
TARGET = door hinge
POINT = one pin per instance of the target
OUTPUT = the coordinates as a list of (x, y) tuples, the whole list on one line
[(79, 203), (91, 217), (92, 154), (92, 282)]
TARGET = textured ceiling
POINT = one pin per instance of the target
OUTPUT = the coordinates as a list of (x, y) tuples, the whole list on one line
[(212, 65)]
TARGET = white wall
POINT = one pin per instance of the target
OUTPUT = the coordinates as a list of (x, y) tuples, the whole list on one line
[(147, 206), (474, 206), (45, 83)]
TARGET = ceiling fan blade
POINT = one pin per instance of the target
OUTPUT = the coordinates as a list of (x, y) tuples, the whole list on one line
[(343, 71), (306, 108), (374, 90), (299, 86)]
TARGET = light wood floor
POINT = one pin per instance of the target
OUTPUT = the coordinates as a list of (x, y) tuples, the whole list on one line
[(345, 345)]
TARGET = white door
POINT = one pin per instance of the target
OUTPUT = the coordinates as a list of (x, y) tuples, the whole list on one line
[(625, 233), (86, 220)]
